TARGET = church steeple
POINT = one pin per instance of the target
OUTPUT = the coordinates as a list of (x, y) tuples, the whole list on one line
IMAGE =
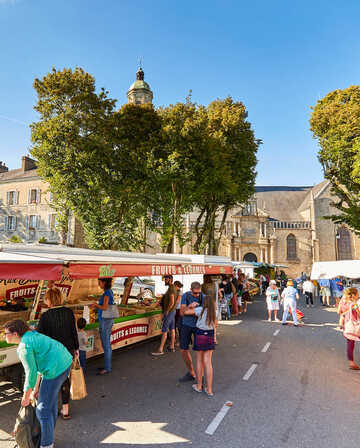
[(140, 92)]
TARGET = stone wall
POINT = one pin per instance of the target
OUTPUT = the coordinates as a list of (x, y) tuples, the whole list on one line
[(303, 261)]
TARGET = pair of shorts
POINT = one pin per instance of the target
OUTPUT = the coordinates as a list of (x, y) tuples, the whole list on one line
[(168, 322), (186, 335), (204, 340)]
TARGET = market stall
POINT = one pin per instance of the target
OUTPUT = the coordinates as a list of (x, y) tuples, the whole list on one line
[(332, 269), (27, 271)]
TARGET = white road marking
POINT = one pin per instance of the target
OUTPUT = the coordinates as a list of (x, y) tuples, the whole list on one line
[(218, 418), (248, 374), (142, 433), (230, 322), (276, 332), (266, 347)]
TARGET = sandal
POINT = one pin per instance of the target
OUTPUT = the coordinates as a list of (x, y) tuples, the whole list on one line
[(208, 393), (157, 353), (354, 367), (194, 387), (172, 350), (102, 372), (65, 416)]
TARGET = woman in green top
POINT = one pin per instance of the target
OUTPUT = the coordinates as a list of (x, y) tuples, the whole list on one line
[(42, 355)]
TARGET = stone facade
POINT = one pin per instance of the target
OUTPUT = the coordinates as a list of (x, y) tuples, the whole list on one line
[(286, 225), (25, 207)]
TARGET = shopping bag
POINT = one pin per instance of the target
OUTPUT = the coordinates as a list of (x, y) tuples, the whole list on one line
[(27, 431), (352, 326), (77, 381)]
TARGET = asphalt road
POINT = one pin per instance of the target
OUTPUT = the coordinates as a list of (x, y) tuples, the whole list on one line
[(301, 393)]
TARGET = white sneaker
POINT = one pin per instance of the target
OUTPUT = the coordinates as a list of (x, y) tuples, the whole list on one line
[(269, 320), (277, 320)]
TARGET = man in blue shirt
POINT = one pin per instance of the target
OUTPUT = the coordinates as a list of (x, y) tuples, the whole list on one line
[(188, 327)]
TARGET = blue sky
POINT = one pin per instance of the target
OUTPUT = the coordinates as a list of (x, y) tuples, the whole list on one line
[(278, 57)]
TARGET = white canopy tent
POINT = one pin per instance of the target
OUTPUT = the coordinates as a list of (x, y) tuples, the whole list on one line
[(332, 269)]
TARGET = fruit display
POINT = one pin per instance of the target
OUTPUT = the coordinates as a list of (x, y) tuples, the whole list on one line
[(12, 305)]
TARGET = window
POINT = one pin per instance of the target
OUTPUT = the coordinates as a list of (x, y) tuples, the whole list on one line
[(250, 209), (291, 247), (52, 221), (34, 196), (343, 241), (156, 218), (250, 257), (12, 197), (10, 223), (32, 222)]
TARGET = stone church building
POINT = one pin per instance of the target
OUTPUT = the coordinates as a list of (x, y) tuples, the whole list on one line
[(282, 225), (286, 225)]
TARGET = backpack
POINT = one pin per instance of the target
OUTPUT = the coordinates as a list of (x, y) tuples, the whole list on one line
[(27, 431)]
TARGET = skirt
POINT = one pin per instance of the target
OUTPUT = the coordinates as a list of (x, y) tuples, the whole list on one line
[(272, 305), (204, 340)]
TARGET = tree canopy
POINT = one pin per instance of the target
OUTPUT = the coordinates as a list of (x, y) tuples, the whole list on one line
[(123, 172), (335, 122)]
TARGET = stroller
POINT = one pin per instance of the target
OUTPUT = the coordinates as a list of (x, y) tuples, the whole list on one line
[(224, 308)]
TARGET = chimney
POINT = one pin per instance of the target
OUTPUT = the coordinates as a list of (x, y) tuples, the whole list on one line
[(27, 163), (3, 167)]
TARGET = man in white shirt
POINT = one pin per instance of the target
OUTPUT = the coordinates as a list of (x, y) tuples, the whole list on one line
[(308, 289)]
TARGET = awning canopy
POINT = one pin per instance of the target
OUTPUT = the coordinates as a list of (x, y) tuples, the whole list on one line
[(38, 262), (332, 269), (28, 267)]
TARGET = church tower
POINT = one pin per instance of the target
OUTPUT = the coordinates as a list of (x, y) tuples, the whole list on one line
[(139, 92)]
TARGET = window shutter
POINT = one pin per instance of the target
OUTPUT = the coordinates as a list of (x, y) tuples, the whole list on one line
[(38, 196), (49, 222), (15, 222), (16, 197), (7, 197), (29, 196), (27, 222), (6, 223), (37, 221)]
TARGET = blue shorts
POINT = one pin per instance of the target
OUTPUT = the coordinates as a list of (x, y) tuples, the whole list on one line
[(186, 336), (168, 322)]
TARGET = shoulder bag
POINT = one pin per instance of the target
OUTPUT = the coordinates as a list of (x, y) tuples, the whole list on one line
[(112, 310), (352, 327)]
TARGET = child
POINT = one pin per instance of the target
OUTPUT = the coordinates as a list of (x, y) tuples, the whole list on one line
[(83, 340), (204, 342)]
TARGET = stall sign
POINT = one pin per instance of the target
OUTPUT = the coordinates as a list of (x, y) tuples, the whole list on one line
[(22, 292), (16, 288), (87, 271), (64, 289), (130, 331)]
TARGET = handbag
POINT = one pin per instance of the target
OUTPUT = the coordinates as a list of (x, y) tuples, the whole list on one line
[(111, 312), (77, 381), (27, 431), (352, 327)]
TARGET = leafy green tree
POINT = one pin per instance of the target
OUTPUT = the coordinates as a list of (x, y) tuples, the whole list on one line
[(175, 179), (225, 164), (95, 157), (335, 122)]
